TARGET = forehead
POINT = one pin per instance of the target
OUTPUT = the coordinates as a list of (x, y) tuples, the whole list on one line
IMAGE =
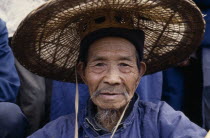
[(114, 45)]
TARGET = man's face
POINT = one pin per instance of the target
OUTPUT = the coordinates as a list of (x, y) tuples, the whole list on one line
[(111, 73)]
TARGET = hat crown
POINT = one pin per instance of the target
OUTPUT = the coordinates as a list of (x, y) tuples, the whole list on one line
[(111, 19)]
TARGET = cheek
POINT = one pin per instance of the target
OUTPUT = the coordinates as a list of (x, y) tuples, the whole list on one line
[(132, 82), (92, 80)]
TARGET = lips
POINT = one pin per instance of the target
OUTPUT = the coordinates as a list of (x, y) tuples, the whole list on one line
[(109, 96), (110, 93)]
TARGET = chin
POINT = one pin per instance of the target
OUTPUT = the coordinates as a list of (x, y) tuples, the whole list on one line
[(110, 106), (110, 103)]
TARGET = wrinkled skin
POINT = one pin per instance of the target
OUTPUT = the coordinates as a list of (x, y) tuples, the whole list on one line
[(111, 73)]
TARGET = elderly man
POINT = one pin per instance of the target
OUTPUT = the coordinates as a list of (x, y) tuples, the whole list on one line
[(112, 69), (104, 42)]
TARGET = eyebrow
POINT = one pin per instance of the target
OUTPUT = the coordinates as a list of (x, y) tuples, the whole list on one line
[(98, 58), (101, 58), (129, 58)]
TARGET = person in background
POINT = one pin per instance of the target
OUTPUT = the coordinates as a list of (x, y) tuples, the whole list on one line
[(205, 46), (12, 120), (181, 82), (173, 86), (32, 94)]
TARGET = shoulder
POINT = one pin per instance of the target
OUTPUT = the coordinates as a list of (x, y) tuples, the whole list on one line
[(154, 107), (61, 127), (3, 30), (156, 111), (2, 25), (3, 37), (161, 110), (170, 123)]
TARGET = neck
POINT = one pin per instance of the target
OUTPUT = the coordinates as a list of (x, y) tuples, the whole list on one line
[(108, 118)]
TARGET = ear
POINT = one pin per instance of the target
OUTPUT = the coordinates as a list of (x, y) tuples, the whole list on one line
[(81, 71), (141, 71)]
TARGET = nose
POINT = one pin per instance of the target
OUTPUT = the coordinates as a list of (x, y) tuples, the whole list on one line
[(112, 76)]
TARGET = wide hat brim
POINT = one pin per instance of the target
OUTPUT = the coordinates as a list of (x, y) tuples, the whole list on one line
[(48, 39)]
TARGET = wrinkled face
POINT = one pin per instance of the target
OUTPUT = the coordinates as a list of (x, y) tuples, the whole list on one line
[(111, 73)]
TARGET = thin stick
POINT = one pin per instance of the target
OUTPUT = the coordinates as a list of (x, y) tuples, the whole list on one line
[(76, 107), (118, 123)]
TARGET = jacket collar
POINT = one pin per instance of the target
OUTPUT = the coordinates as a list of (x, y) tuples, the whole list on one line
[(88, 116)]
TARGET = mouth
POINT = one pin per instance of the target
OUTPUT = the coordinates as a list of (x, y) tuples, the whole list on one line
[(110, 95)]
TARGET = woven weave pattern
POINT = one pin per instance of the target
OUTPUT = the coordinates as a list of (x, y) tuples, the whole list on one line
[(47, 41)]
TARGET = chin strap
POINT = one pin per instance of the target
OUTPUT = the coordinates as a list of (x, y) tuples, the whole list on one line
[(119, 121), (76, 107), (121, 117)]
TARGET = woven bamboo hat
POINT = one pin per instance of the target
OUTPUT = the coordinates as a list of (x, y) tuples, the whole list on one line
[(48, 39)]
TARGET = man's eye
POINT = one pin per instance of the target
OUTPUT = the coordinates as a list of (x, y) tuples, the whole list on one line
[(124, 67), (100, 64), (124, 64)]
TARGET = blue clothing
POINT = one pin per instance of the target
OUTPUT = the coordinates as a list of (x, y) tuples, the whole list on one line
[(173, 87), (206, 88), (150, 87), (12, 121), (206, 40), (9, 81), (205, 8), (63, 94), (146, 120), (206, 66), (63, 98)]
